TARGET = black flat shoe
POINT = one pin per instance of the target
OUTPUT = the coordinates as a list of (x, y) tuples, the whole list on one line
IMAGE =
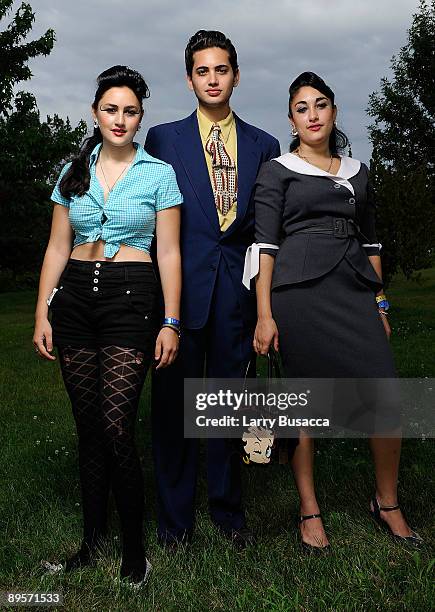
[(414, 540), (309, 549), (135, 575), (82, 558), (241, 538)]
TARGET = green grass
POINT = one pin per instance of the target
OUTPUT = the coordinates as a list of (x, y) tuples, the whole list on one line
[(40, 502)]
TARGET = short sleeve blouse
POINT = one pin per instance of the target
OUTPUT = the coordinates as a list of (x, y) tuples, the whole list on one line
[(128, 216)]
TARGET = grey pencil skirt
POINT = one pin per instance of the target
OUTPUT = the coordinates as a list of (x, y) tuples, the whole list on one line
[(329, 327)]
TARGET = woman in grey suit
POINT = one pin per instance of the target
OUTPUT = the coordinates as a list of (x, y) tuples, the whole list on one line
[(319, 289)]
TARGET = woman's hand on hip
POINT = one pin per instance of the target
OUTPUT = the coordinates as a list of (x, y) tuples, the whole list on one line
[(166, 347), (266, 333), (43, 339)]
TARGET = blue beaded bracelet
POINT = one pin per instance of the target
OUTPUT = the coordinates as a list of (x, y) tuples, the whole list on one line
[(384, 304), (171, 321)]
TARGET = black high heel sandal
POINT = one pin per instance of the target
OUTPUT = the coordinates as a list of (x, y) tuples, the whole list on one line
[(414, 539), (309, 548)]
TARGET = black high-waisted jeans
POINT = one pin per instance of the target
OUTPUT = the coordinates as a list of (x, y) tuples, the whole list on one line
[(101, 303)]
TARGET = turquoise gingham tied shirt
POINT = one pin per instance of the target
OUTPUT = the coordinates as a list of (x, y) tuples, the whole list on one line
[(129, 214)]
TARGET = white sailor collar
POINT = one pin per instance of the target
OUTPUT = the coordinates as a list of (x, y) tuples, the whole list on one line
[(349, 167)]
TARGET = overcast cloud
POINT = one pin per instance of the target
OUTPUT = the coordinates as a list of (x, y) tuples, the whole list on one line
[(348, 42)]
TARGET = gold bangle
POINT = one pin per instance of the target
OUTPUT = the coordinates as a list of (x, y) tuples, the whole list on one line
[(381, 298), (175, 329)]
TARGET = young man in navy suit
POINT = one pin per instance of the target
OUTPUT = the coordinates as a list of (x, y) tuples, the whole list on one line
[(216, 157)]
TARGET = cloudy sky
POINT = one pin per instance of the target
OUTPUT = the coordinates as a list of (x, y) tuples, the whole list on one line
[(348, 42)]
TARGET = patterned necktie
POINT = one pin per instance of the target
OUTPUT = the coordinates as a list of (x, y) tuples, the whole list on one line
[(224, 171)]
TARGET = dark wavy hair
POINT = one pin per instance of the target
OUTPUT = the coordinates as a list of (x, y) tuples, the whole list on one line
[(76, 180), (205, 39), (338, 140)]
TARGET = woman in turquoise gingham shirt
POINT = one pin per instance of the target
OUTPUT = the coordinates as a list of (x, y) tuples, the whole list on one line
[(99, 288), (128, 216)]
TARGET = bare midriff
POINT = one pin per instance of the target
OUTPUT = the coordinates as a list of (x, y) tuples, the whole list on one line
[(94, 251)]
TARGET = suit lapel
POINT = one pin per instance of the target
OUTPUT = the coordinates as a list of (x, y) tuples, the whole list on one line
[(248, 161), (189, 149)]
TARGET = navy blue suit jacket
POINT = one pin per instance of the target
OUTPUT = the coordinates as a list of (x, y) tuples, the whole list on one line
[(203, 245)]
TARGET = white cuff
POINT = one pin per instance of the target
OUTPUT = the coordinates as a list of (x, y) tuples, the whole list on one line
[(378, 244), (252, 261)]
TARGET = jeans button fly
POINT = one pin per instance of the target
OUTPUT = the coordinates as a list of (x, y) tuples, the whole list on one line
[(95, 288)]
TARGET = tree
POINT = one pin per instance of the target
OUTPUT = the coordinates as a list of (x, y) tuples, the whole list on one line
[(14, 56), (402, 163), (32, 151)]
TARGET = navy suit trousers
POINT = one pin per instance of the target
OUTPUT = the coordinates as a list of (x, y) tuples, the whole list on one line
[(220, 349)]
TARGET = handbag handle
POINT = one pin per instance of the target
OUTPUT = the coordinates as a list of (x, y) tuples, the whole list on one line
[(273, 367)]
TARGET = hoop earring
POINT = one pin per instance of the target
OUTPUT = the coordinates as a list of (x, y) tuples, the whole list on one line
[(138, 127), (96, 124), (294, 131)]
